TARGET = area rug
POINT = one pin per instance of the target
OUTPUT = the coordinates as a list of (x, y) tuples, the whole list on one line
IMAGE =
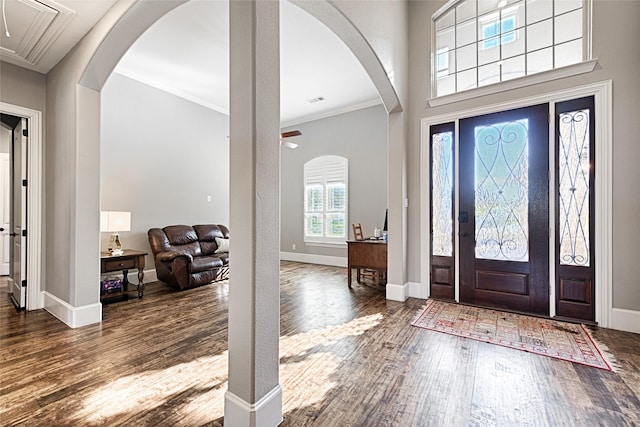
[(561, 340)]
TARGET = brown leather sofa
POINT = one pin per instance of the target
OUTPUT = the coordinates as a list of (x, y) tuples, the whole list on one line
[(189, 256)]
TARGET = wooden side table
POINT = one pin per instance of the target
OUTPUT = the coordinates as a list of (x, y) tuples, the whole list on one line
[(129, 260), (367, 254)]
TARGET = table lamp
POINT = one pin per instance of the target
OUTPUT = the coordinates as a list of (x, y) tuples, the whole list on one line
[(114, 222)]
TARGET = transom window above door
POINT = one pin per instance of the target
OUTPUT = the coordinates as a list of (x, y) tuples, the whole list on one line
[(482, 42)]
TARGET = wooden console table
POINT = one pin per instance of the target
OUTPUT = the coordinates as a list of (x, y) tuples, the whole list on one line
[(129, 260), (367, 254)]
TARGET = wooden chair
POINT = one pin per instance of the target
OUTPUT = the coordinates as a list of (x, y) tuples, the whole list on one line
[(357, 231), (364, 272)]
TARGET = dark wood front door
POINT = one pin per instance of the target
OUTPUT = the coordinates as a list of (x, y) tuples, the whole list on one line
[(504, 210)]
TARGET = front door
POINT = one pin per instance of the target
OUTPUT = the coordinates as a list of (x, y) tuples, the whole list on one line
[(18, 264), (504, 210)]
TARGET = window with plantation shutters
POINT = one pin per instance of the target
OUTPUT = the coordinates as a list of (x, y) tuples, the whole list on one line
[(326, 199)]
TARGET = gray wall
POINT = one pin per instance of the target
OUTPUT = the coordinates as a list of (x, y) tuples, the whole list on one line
[(27, 89), (22, 87), (160, 157), (5, 138), (72, 180), (70, 188), (618, 60), (361, 137)]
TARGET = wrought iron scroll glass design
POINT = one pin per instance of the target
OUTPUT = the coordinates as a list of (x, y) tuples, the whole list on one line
[(442, 193), (502, 191), (574, 167)]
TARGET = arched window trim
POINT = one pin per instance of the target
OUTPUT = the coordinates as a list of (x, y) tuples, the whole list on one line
[(586, 65)]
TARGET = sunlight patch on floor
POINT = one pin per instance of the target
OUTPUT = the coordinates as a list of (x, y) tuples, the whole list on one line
[(207, 376), (308, 363), (194, 391)]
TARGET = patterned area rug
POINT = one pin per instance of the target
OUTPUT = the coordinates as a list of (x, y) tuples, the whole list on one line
[(547, 337)]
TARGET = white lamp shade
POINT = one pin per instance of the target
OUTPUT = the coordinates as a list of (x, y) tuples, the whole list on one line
[(113, 221)]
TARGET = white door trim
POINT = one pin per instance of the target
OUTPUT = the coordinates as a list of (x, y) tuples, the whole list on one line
[(602, 91), (35, 237), (4, 193)]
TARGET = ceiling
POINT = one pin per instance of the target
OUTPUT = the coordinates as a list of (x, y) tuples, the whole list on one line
[(43, 31), (186, 53)]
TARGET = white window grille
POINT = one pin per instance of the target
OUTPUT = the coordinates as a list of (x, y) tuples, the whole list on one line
[(482, 42)]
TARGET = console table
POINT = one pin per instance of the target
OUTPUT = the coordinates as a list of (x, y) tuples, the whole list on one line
[(367, 254), (129, 260)]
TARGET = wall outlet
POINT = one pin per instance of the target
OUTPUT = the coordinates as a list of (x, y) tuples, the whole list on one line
[(293, 247), (208, 198)]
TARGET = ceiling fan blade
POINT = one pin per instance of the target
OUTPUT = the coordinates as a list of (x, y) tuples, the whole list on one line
[(290, 134)]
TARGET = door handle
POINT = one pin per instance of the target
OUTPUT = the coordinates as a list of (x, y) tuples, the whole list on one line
[(12, 234), (465, 234), (1, 229)]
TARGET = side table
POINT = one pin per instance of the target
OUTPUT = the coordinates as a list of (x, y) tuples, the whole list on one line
[(367, 254), (129, 260)]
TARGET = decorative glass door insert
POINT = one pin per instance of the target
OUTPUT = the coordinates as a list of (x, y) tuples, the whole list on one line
[(502, 191), (442, 191), (574, 187)]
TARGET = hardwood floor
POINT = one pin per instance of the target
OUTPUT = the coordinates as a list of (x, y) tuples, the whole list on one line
[(348, 358)]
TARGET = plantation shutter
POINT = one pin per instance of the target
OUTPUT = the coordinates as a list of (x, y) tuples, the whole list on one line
[(325, 199)]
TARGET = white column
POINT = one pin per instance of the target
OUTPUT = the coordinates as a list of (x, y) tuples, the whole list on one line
[(397, 288), (254, 397)]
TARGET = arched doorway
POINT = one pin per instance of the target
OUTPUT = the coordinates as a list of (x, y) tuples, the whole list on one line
[(130, 23), (247, 394)]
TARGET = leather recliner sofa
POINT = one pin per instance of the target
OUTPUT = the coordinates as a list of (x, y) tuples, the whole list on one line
[(190, 256)]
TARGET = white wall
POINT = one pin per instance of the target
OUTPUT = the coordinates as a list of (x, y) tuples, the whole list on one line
[(161, 156), (361, 137), (619, 60)]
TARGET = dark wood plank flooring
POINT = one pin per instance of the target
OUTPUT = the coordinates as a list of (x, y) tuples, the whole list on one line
[(348, 358)]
